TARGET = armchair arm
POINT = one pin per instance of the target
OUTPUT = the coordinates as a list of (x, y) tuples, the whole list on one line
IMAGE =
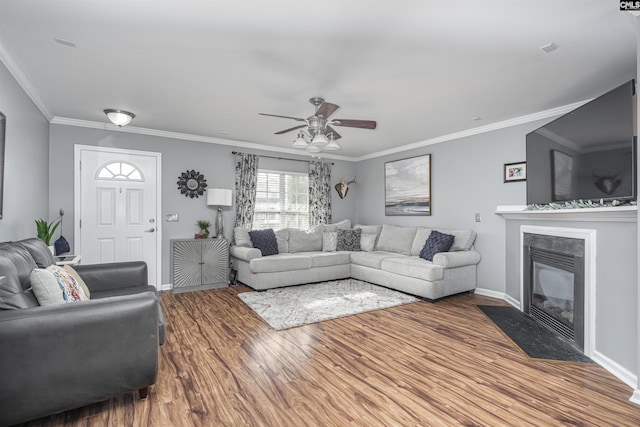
[(456, 259), (59, 357), (244, 253), (115, 275)]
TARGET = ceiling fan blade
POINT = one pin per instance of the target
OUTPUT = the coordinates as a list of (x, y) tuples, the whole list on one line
[(290, 129), (336, 135), (363, 124), (283, 117), (326, 109)]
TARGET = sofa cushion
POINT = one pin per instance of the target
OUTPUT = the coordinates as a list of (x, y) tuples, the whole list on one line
[(463, 239), (39, 251), (422, 234), (280, 262), (16, 265), (369, 236), (396, 239), (437, 242), (305, 241), (368, 242), (282, 236), (415, 267), (371, 259), (54, 285), (344, 224), (265, 240), (241, 237), (329, 241), (327, 259), (349, 240)]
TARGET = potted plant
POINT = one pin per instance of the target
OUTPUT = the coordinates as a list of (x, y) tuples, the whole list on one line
[(46, 229), (204, 228)]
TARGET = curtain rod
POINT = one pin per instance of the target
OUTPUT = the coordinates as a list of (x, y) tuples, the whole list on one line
[(280, 158)]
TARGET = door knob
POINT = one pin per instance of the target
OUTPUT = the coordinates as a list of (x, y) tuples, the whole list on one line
[(151, 230)]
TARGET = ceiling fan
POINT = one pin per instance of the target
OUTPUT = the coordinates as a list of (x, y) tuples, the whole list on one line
[(320, 135)]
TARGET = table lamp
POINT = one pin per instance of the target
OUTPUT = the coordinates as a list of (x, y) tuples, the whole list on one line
[(219, 197)]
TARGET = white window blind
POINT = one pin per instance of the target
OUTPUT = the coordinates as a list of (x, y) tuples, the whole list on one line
[(282, 200)]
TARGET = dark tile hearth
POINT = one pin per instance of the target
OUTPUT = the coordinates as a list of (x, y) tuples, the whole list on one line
[(534, 339)]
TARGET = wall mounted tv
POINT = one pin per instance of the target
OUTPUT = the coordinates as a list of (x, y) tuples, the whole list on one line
[(587, 154)]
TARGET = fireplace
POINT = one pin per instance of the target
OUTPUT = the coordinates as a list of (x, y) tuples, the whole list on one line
[(554, 283)]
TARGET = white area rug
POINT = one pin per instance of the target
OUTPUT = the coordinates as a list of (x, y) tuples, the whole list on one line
[(293, 306)]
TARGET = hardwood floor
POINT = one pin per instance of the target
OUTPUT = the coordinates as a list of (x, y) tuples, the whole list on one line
[(420, 364)]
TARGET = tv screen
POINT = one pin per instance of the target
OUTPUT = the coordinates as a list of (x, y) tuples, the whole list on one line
[(587, 154)]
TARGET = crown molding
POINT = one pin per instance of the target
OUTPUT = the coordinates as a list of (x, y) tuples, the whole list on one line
[(553, 112), (184, 136), (24, 83)]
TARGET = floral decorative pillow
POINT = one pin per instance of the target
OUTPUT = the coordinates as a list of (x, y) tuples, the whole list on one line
[(54, 285), (348, 240)]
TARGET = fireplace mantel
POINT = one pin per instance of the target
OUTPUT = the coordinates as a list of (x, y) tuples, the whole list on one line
[(605, 214)]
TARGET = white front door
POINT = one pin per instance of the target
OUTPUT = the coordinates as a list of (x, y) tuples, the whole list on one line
[(117, 214)]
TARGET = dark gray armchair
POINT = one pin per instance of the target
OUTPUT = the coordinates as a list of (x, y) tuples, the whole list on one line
[(59, 357)]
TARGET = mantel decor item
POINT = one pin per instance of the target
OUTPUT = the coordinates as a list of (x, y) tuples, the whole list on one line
[(219, 197), (515, 172), (408, 186), (3, 121), (192, 184)]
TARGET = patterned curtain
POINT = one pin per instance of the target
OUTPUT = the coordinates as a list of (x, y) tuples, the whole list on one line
[(319, 193), (246, 182)]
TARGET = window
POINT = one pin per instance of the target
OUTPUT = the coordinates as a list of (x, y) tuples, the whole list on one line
[(120, 171), (282, 200)]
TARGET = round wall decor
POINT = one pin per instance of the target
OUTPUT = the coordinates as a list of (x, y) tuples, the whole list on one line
[(192, 184)]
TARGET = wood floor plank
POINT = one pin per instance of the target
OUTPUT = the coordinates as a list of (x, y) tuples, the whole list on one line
[(419, 364)]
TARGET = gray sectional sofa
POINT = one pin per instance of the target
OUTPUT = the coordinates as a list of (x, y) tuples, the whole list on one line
[(389, 258)]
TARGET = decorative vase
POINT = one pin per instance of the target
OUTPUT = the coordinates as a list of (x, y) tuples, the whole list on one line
[(204, 233)]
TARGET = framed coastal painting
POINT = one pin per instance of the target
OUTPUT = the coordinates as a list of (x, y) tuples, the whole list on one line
[(408, 186), (515, 172)]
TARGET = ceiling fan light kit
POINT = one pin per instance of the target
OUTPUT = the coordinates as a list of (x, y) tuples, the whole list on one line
[(320, 136)]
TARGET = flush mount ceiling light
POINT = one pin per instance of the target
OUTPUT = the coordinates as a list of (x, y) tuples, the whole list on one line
[(119, 117)]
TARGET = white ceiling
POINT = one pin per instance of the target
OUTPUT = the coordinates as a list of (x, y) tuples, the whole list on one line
[(422, 69)]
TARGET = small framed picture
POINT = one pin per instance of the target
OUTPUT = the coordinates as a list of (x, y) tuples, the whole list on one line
[(515, 172)]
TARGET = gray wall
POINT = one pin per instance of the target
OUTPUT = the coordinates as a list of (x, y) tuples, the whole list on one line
[(213, 160), (26, 173), (467, 177)]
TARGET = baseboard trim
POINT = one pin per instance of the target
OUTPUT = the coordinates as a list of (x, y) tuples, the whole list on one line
[(616, 369), (166, 287), (635, 397), (490, 293)]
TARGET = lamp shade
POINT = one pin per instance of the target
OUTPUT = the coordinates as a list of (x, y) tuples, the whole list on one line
[(219, 197), (119, 117)]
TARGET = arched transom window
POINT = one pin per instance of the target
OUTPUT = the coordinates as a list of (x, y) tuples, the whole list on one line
[(120, 171)]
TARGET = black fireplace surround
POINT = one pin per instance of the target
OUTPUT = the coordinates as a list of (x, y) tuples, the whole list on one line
[(553, 276)]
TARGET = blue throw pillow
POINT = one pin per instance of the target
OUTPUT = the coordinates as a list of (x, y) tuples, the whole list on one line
[(348, 240), (265, 240), (437, 242)]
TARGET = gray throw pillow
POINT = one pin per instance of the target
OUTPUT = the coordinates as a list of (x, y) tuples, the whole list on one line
[(437, 242), (265, 240), (348, 240), (241, 237)]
